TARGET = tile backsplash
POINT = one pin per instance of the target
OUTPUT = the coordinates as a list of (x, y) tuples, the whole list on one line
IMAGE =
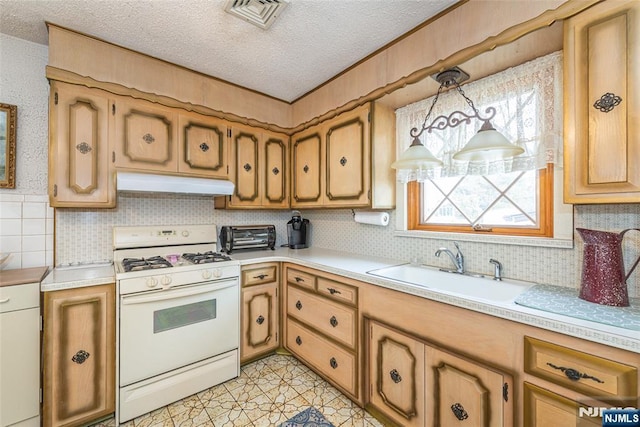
[(84, 235), (26, 231)]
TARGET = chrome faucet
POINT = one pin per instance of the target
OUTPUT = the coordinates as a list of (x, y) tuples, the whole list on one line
[(457, 259), (497, 272)]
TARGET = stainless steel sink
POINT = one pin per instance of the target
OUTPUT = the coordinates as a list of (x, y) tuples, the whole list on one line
[(454, 283)]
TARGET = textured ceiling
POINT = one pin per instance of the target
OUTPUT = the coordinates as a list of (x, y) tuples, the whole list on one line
[(308, 44)]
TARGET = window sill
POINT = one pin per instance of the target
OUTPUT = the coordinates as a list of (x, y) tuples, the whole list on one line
[(485, 238)]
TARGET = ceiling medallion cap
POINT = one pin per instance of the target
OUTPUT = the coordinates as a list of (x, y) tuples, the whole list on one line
[(451, 76)]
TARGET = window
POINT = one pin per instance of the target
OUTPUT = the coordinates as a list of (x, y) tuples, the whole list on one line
[(516, 203), (512, 197)]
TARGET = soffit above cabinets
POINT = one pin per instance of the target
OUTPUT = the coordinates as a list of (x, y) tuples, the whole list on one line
[(308, 43)]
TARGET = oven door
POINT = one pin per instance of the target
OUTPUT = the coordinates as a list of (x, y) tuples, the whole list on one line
[(167, 329)]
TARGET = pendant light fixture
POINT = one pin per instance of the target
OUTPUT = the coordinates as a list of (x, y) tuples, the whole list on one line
[(487, 145)]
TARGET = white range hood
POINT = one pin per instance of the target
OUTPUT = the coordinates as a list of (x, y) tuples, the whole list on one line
[(143, 182)]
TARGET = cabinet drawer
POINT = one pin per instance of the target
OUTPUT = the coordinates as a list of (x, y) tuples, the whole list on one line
[(332, 361), (338, 291), (19, 297), (585, 373), (328, 317), (301, 279), (545, 408), (259, 274)]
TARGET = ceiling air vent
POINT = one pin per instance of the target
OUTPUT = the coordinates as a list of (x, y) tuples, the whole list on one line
[(261, 13)]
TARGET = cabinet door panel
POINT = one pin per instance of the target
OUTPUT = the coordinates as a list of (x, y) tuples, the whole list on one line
[(259, 320), (275, 172), (396, 372), (203, 146), (79, 355), (602, 100), (347, 142), (466, 391), (146, 137), (245, 152), (80, 173), (307, 169)]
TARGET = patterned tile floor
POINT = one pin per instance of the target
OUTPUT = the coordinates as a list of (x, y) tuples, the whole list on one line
[(267, 393)]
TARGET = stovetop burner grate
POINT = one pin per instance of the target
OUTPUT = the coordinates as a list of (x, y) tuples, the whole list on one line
[(139, 264), (206, 257)]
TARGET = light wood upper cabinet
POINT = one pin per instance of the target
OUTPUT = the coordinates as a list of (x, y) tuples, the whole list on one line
[(347, 145), (202, 146), (79, 355), (146, 136), (80, 125), (276, 171), (333, 163), (258, 167), (602, 104), (307, 168)]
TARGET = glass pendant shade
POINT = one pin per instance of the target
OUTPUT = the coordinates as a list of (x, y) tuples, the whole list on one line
[(487, 145), (417, 156)]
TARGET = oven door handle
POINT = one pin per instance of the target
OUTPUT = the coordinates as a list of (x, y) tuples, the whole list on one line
[(176, 293)]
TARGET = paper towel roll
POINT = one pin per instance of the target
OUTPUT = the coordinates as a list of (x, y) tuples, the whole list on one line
[(374, 218)]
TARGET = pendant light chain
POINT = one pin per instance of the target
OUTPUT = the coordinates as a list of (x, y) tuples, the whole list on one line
[(414, 132), (469, 101)]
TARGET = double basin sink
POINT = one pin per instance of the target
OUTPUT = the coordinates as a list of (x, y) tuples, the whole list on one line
[(473, 286)]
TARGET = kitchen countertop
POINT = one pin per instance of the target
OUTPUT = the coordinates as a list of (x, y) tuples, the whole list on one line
[(356, 267), (22, 275), (80, 276)]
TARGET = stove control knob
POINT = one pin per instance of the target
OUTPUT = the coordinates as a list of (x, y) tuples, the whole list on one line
[(151, 282), (166, 280), (217, 272), (206, 274)]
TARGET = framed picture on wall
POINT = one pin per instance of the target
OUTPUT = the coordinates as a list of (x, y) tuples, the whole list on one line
[(8, 118)]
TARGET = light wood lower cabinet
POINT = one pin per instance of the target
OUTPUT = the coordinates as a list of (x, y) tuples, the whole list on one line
[(587, 383), (322, 327), (544, 408), (396, 375), (79, 355), (414, 383), (260, 311)]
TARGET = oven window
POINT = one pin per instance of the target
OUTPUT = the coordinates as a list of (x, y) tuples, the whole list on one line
[(177, 317)]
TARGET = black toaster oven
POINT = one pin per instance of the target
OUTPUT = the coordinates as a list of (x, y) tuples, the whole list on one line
[(239, 237)]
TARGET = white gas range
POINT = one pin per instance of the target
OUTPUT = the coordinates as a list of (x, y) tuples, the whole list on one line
[(178, 315)]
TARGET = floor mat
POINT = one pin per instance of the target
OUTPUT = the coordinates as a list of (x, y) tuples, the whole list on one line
[(309, 417)]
